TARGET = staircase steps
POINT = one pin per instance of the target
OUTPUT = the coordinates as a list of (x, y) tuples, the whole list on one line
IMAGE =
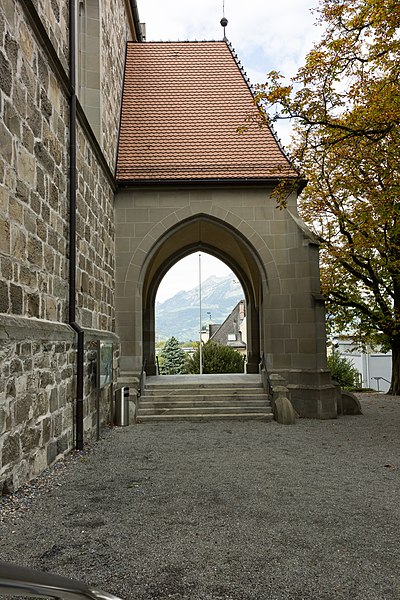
[(197, 399)]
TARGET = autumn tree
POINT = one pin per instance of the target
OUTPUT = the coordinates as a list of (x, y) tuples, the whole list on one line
[(345, 106)]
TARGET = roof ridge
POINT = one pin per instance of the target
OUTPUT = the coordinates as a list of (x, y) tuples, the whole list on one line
[(148, 42)]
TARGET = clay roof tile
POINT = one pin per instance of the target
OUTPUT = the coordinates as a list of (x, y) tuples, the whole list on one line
[(182, 105)]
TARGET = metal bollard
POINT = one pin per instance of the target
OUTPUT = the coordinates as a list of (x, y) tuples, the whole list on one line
[(121, 410)]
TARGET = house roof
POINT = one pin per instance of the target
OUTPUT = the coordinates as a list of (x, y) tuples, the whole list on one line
[(182, 105), (231, 325)]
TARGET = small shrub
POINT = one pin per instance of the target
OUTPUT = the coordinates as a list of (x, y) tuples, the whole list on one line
[(216, 359), (342, 370)]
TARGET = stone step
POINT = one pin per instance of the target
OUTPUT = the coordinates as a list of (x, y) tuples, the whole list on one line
[(194, 417), (182, 401), (203, 398), (206, 410), (222, 391)]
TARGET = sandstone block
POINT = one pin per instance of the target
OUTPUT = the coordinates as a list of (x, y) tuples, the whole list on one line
[(5, 75), (11, 48), (5, 268), (4, 417), (53, 400), (62, 444), (45, 104), (284, 412), (33, 305), (26, 166), (40, 405), (46, 429), (22, 190), (12, 120), (25, 42), (6, 145), (44, 157), (22, 409), (30, 439), (11, 451), (18, 243), (51, 452), (16, 298), (350, 404), (35, 251), (40, 461), (5, 236), (4, 298)]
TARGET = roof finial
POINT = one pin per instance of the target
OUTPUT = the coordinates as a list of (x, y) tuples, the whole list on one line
[(224, 21)]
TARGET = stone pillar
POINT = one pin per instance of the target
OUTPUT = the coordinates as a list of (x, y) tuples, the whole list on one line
[(253, 339), (149, 355)]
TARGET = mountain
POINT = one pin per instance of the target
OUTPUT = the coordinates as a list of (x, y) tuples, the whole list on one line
[(179, 316)]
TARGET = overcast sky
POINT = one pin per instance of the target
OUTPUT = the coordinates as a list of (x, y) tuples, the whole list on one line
[(265, 34)]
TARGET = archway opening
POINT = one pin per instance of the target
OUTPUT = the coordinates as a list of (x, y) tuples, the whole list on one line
[(200, 298), (206, 235)]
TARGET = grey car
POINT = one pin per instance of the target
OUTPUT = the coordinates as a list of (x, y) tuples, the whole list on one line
[(17, 581)]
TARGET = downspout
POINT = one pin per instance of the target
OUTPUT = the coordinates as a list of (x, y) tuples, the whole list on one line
[(72, 231)]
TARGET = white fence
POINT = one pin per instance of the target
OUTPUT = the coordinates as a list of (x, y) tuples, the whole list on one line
[(374, 368)]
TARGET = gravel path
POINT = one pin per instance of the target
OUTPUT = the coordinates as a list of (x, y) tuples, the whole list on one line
[(223, 511)]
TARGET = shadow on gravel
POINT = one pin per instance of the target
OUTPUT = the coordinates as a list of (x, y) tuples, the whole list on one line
[(223, 511)]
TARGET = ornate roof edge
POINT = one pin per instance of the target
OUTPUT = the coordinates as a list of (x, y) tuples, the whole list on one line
[(252, 91)]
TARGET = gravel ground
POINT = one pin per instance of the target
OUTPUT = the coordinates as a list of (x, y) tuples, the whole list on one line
[(222, 511)]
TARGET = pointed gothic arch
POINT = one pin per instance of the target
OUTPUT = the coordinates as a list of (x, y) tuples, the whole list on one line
[(216, 237)]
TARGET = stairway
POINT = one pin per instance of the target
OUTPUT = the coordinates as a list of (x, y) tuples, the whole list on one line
[(203, 398)]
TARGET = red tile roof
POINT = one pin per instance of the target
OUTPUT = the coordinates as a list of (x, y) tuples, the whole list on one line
[(182, 105)]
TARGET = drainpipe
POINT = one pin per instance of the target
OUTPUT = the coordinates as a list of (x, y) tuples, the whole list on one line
[(72, 231)]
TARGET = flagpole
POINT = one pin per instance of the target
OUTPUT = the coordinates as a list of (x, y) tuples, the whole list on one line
[(200, 347)]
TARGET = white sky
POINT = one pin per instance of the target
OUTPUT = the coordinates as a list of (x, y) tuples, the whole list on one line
[(185, 274), (265, 34)]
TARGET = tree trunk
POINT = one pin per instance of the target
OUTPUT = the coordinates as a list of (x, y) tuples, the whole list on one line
[(394, 389)]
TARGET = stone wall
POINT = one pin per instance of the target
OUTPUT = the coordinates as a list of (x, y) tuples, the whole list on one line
[(37, 396), (37, 346), (95, 241), (33, 184), (54, 16)]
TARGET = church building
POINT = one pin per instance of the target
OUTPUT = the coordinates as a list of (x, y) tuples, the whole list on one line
[(118, 158)]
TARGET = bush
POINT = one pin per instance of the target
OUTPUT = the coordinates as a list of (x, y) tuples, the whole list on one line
[(216, 359), (342, 370)]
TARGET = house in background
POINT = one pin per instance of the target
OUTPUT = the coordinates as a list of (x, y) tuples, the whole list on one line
[(232, 332)]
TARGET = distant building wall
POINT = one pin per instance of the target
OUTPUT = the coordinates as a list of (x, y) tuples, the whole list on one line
[(374, 368)]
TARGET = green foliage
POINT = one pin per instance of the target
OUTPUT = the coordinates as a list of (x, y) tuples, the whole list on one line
[(172, 358), (345, 105), (342, 370), (216, 359)]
